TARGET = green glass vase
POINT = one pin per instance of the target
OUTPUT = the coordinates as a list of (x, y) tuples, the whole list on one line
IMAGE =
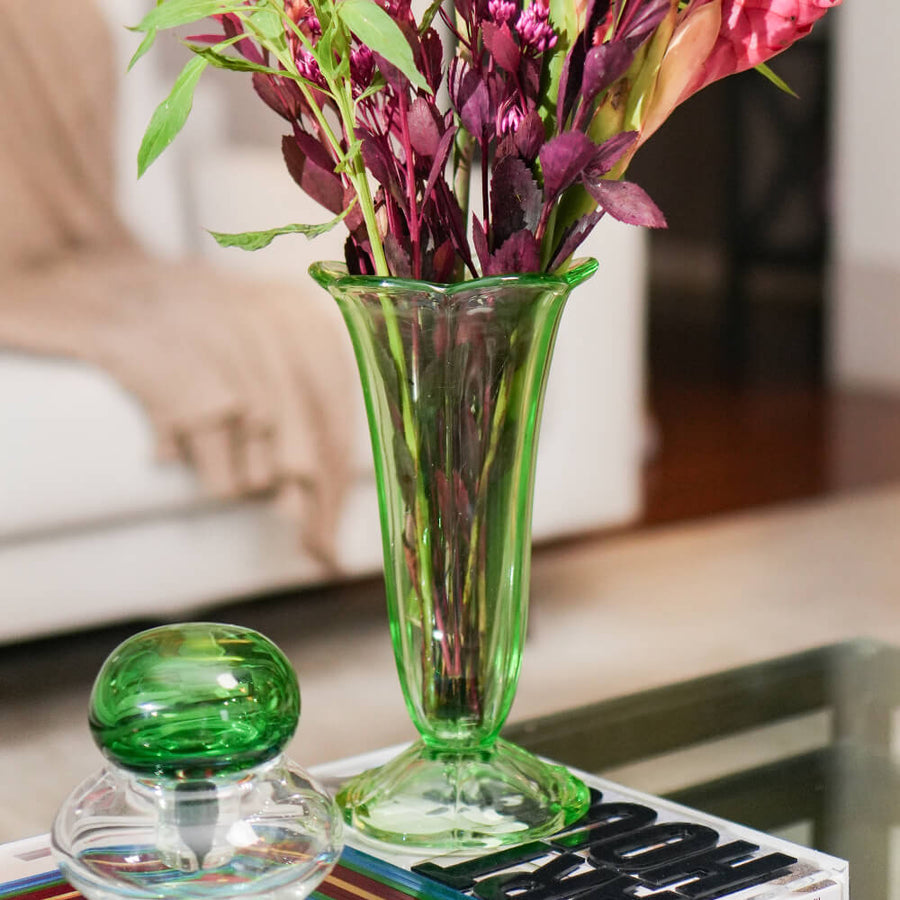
[(453, 378)]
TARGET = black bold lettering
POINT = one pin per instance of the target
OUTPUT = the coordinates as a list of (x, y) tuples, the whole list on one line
[(552, 881), (605, 821), (653, 846), (720, 871), (463, 875)]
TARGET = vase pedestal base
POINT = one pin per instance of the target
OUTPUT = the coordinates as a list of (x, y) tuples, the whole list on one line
[(446, 800)]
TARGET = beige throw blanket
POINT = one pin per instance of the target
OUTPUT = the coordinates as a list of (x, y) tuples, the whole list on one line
[(249, 382)]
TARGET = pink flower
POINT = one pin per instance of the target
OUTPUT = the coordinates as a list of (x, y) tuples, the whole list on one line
[(534, 27), (509, 118), (362, 67), (501, 10), (717, 38), (753, 31), (308, 67)]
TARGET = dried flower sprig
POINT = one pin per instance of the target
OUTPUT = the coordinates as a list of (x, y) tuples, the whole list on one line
[(548, 102)]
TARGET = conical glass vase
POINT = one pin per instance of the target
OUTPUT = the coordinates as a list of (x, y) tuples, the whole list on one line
[(454, 378)]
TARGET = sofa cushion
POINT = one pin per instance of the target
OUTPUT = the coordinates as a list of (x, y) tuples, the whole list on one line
[(76, 449)]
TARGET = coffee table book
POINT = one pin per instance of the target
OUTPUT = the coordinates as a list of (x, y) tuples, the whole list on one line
[(630, 846)]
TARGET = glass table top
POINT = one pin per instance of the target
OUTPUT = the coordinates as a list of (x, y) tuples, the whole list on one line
[(806, 747)]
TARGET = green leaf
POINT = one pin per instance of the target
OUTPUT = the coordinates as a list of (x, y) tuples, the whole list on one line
[(170, 115), (146, 44), (256, 240), (172, 13), (232, 63), (777, 80), (375, 28), (346, 164), (377, 85), (428, 16), (269, 26)]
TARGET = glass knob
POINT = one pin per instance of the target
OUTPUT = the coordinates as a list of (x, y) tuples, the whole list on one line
[(194, 699), (198, 800)]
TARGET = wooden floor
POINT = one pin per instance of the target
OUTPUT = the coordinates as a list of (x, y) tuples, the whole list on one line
[(718, 449), (730, 435)]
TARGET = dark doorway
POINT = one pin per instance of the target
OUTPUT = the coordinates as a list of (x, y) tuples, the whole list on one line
[(737, 291)]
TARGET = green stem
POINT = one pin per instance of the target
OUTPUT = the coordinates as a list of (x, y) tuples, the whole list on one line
[(354, 166)]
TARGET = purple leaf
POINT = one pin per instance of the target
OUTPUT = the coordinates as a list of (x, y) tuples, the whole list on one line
[(232, 26), (627, 202), (471, 99), (477, 114), (572, 238), (530, 76), (285, 98), (500, 44), (450, 217), (424, 128), (433, 58), (506, 146), (444, 262), (380, 162), (640, 19), (515, 199), (609, 153), (563, 159), (358, 257), (519, 253), (438, 163), (392, 75), (604, 65), (397, 256), (312, 169), (570, 82), (530, 136), (479, 238)]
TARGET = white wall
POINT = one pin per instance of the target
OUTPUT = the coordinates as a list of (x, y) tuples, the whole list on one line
[(865, 314)]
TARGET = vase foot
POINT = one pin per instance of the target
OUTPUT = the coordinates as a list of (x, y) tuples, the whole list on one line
[(451, 800)]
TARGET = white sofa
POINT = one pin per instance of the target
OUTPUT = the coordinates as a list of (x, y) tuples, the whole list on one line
[(102, 532)]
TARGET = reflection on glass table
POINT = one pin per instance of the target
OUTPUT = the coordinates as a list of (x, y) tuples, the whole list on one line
[(805, 747)]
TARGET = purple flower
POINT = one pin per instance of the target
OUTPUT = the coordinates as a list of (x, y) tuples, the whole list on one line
[(501, 10), (509, 118), (534, 28), (362, 67), (308, 67)]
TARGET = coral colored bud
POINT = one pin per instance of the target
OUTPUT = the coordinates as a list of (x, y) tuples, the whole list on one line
[(691, 43), (297, 9)]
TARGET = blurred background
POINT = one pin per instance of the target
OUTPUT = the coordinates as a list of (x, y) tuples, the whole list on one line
[(181, 432)]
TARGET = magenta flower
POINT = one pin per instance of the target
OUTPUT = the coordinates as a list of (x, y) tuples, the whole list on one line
[(502, 10), (509, 118), (753, 31), (550, 134), (362, 67), (308, 67), (534, 28), (717, 38)]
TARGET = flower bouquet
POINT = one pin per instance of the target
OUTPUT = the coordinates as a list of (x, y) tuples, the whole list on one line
[(468, 151)]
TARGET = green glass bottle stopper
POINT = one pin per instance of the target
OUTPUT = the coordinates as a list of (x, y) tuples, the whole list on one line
[(194, 700)]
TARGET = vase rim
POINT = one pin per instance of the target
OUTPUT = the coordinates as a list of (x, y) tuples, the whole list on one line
[(334, 274)]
